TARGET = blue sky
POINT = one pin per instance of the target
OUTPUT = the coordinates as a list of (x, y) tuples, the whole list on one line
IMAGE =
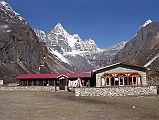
[(106, 21)]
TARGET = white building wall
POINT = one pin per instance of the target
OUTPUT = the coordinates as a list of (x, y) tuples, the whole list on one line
[(119, 70)]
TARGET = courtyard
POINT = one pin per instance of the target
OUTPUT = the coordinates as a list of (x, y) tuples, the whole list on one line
[(65, 106)]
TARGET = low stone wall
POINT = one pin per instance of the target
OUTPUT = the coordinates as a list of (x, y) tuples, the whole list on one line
[(28, 88), (116, 91)]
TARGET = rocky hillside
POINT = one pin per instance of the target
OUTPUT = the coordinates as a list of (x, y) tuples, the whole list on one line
[(143, 49), (20, 48)]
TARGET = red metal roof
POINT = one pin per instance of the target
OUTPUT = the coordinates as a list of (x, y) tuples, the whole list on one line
[(55, 75)]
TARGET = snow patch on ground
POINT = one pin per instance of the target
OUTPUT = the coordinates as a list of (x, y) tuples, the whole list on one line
[(151, 61), (8, 30)]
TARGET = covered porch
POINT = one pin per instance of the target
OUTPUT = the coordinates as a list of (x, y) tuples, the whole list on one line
[(60, 81), (121, 79)]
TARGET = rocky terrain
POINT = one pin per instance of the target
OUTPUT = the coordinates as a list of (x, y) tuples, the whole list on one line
[(143, 50), (21, 51)]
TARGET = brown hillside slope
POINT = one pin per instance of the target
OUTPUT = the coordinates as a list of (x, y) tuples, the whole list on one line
[(142, 48)]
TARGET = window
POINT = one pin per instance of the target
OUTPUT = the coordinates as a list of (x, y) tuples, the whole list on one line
[(112, 81), (116, 81), (121, 81), (130, 80), (134, 80), (51, 82), (24, 82), (107, 82), (125, 81)]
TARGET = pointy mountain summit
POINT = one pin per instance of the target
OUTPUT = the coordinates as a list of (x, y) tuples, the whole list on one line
[(83, 54)]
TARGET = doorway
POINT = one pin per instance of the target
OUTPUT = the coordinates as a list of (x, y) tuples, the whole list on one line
[(62, 83)]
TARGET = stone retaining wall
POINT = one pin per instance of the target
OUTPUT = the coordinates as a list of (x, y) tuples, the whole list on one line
[(28, 88), (116, 91)]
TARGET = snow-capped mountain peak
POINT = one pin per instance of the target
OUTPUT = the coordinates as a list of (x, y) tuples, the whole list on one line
[(59, 33), (72, 50), (59, 30), (59, 27), (146, 23)]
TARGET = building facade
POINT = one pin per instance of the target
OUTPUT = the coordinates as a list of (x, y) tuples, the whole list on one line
[(59, 80), (120, 74)]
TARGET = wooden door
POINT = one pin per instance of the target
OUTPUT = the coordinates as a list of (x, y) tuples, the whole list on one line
[(62, 84)]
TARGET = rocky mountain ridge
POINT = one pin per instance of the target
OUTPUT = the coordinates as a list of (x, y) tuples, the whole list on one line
[(143, 50), (84, 55)]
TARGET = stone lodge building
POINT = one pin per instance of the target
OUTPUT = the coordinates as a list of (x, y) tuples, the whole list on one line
[(120, 74)]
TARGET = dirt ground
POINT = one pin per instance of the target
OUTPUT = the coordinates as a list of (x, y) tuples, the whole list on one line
[(64, 106)]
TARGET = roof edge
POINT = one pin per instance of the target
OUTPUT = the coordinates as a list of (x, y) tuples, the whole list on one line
[(122, 63)]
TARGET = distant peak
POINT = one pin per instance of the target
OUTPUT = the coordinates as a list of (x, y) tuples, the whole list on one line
[(58, 29), (146, 23), (58, 25)]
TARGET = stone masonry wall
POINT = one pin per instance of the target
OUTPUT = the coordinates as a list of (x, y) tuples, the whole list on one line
[(116, 91), (28, 88)]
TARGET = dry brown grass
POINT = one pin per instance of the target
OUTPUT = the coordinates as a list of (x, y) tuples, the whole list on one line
[(64, 106)]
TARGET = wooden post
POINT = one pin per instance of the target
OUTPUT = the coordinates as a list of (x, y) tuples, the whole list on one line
[(27, 82), (48, 82), (55, 84), (104, 82), (109, 81), (42, 82), (59, 88), (100, 82), (114, 81), (127, 81)]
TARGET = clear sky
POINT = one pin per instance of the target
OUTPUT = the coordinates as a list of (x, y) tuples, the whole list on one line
[(105, 21)]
